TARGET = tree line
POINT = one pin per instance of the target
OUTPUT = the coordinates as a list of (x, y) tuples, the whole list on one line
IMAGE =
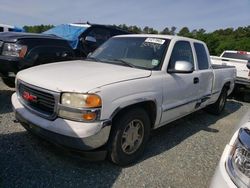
[(217, 41)]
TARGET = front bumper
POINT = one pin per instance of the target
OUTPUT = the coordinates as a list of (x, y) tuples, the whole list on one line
[(242, 81), (8, 66), (71, 134)]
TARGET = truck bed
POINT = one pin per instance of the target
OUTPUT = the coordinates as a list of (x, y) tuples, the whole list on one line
[(243, 77), (215, 66)]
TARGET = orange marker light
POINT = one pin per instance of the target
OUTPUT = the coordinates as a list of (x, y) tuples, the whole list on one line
[(89, 116)]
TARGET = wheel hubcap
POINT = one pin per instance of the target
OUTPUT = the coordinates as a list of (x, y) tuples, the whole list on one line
[(132, 136)]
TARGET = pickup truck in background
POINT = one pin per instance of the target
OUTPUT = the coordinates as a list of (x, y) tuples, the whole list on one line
[(110, 102), (239, 59), (19, 51)]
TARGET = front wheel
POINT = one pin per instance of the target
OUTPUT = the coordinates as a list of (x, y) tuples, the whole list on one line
[(129, 136), (219, 105)]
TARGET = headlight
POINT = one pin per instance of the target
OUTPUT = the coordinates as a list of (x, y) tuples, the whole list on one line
[(80, 107), (14, 50), (238, 164), (77, 100)]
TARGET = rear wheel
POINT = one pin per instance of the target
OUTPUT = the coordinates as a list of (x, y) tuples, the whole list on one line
[(129, 136), (10, 82), (219, 105)]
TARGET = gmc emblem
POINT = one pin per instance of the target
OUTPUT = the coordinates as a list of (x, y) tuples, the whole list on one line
[(29, 97)]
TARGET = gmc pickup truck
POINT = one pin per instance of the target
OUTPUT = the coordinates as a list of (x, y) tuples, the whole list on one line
[(109, 103)]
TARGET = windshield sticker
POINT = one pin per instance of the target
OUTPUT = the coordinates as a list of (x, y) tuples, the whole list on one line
[(155, 62), (155, 40)]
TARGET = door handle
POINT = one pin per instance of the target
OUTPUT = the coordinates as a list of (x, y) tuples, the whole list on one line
[(196, 80)]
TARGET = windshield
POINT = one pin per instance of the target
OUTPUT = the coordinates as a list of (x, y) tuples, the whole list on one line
[(238, 55), (138, 52)]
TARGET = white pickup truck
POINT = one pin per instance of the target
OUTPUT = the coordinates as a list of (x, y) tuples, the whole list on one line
[(239, 59), (109, 103)]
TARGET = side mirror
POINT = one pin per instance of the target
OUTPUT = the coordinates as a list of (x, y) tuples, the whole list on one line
[(90, 39), (182, 67)]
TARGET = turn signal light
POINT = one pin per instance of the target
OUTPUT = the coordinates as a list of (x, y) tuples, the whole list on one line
[(93, 101), (89, 116)]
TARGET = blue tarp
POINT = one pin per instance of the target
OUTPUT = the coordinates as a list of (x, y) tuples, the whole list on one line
[(18, 29), (68, 32)]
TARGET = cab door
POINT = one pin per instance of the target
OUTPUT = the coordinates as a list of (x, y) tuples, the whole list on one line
[(180, 90), (206, 75)]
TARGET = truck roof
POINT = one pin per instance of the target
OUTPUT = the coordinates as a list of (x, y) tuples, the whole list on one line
[(234, 51), (160, 36), (14, 36)]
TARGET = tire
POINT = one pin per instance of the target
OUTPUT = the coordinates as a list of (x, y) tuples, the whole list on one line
[(219, 105), (10, 82), (129, 136)]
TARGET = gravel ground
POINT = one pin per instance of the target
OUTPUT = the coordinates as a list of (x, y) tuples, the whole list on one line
[(183, 154)]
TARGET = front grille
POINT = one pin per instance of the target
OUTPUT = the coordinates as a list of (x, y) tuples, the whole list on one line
[(37, 100)]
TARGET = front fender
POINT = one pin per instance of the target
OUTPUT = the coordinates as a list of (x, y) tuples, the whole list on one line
[(133, 99)]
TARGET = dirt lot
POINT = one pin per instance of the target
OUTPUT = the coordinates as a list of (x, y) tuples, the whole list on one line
[(184, 154)]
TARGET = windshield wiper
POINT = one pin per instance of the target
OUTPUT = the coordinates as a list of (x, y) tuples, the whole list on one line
[(93, 59), (124, 62)]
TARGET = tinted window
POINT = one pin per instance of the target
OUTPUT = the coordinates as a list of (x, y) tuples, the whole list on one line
[(238, 55), (1, 29), (100, 34), (201, 55), (182, 51)]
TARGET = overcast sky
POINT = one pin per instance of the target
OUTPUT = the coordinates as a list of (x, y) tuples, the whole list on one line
[(195, 14)]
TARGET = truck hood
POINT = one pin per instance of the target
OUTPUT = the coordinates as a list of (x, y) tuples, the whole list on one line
[(79, 76), (14, 36)]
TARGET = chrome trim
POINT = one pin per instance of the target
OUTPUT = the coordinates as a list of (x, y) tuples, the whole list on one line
[(77, 110), (55, 94), (244, 138)]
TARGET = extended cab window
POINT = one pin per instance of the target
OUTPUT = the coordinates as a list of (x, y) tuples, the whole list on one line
[(1, 29), (182, 51), (201, 55)]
